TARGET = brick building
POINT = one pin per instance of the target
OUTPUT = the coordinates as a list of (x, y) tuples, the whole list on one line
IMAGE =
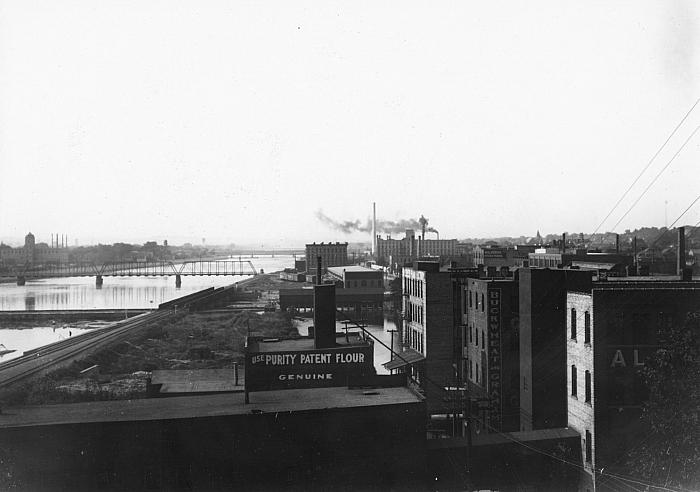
[(332, 254), (397, 252), (542, 305), (491, 347), (428, 331), (611, 327)]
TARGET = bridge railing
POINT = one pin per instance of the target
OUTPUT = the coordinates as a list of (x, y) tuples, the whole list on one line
[(228, 267)]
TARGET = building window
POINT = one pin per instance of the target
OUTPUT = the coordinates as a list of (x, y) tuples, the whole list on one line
[(477, 338), (587, 327), (588, 386), (589, 447), (470, 298), (477, 372), (482, 303), (573, 380), (471, 328), (573, 324)]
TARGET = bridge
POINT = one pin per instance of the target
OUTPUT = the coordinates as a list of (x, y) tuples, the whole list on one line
[(131, 269)]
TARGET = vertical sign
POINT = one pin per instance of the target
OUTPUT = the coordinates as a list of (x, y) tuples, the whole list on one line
[(494, 383)]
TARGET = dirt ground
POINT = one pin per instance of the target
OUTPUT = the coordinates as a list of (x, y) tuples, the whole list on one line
[(193, 341)]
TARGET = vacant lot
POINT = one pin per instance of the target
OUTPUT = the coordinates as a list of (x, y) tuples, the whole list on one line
[(194, 341)]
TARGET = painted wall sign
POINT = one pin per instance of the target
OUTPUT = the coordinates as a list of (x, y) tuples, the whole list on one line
[(494, 357), (632, 358), (307, 368)]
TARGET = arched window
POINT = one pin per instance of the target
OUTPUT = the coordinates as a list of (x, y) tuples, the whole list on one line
[(587, 327), (573, 380), (573, 324)]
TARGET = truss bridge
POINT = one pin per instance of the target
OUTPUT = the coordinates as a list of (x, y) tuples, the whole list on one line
[(227, 267)]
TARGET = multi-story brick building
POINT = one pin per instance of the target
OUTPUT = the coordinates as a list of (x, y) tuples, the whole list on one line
[(491, 349), (428, 332), (611, 327), (542, 301), (395, 253), (332, 254)]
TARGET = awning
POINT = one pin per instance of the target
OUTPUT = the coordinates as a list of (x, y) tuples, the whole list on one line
[(408, 356)]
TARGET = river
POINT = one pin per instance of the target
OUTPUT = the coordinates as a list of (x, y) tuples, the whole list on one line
[(124, 293)]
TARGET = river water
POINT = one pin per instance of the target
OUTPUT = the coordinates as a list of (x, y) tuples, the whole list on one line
[(124, 293)]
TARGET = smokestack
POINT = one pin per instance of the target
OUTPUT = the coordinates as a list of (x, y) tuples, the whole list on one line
[(374, 229), (324, 316), (52, 239), (319, 266), (681, 250), (634, 259), (563, 243), (617, 243)]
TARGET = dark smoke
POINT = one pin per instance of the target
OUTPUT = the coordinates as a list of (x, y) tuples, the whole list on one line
[(383, 226)]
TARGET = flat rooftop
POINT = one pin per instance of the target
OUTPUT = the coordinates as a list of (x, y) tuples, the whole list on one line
[(338, 270), (302, 343), (187, 407)]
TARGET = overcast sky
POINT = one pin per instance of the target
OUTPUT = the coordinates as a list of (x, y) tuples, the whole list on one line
[(239, 121)]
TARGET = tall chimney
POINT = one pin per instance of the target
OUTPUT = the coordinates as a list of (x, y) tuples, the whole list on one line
[(634, 259), (563, 243), (617, 243), (681, 250), (319, 269), (52, 239), (324, 316), (374, 229)]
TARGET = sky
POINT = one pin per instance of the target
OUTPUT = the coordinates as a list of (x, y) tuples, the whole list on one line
[(244, 122)]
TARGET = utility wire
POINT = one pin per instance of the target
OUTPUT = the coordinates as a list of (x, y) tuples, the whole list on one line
[(657, 176), (646, 167)]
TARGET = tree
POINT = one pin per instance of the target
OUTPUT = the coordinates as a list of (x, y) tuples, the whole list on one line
[(669, 455)]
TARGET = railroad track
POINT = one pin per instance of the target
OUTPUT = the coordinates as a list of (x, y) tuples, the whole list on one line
[(50, 357), (55, 355)]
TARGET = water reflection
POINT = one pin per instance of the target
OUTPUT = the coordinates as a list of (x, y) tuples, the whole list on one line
[(29, 338), (117, 292)]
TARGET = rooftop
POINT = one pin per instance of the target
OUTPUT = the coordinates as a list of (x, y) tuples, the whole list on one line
[(338, 270), (185, 407), (302, 343)]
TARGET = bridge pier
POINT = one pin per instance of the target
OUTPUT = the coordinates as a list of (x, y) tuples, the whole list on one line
[(21, 280), (99, 281), (178, 281)]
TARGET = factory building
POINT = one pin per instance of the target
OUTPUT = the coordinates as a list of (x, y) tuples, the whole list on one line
[(332, 254), (33, 253), (357, 277), (395, 253)]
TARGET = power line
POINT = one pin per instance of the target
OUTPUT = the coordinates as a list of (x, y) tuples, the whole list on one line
[(646, 167), (657, 177)]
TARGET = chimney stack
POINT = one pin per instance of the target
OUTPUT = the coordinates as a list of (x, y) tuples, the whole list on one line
[(324, 316), (617, 243), (681, 251), (319, 270), (374, 229), (563, 243)]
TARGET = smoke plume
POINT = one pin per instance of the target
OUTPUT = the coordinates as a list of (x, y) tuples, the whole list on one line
[(383, 226)]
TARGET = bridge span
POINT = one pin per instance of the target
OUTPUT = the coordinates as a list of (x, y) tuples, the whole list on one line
[(228, 267)]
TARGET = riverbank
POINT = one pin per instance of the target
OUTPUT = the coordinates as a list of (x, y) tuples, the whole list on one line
[(192, 341)]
